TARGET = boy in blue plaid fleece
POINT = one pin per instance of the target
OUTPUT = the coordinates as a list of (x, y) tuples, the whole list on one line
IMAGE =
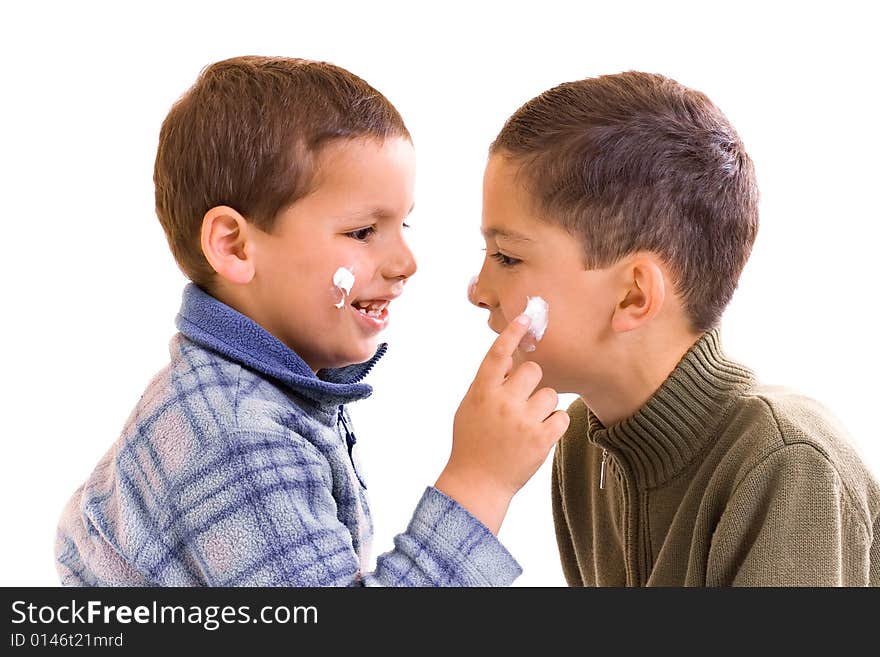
[(283, 186)]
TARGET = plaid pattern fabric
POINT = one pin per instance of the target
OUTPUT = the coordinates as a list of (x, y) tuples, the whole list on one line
[(238, 467)]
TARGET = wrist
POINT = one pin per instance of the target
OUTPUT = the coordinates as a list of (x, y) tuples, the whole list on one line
[(480, 496)]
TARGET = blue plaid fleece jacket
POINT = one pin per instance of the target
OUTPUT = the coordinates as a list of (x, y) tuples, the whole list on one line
[(238, 468)]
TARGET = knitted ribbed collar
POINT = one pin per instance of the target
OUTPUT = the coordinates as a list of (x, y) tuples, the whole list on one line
[(677, 422), (214, 325)]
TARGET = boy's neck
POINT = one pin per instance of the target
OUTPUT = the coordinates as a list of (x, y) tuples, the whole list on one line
[(640, 365)]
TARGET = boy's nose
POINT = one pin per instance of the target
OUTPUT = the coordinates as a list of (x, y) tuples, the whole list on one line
[(477, 294), (402, 264)]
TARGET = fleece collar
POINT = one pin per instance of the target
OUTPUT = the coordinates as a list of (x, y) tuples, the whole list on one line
[(214, 325)]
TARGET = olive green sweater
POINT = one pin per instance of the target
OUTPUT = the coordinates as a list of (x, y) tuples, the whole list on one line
[(715, 481)]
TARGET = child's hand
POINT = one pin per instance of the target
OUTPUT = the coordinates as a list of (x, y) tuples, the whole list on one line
[(502, 432)]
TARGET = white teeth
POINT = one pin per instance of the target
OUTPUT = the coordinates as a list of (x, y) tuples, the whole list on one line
[(371, 305), (371, 308)]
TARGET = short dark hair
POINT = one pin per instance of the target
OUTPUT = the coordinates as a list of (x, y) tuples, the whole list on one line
[(636, 161), (247, 134)]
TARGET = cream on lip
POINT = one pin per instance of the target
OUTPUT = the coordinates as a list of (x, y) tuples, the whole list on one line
[(343, 280)]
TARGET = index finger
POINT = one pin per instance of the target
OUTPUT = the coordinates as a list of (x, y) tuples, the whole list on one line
[(499, 359)]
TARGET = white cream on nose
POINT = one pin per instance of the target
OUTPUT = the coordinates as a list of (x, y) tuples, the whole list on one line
[(472, 288), (343, 280)]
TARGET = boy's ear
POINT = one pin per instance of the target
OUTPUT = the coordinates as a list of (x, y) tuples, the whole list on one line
[(225, 244), (643, 294)]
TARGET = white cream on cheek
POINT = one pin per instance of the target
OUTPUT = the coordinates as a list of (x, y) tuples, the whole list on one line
[(343, 280), (537, 310)]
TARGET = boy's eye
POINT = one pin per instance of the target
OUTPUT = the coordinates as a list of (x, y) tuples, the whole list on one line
[(362, 234), (504, 260)]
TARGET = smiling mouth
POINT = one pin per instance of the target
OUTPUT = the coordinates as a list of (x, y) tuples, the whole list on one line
[(375, 309)]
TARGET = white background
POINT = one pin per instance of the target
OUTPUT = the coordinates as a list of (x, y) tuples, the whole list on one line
[(90, 290)]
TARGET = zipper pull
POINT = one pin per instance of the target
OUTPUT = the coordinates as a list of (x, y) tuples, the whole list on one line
[(349, 435), (602, 469)]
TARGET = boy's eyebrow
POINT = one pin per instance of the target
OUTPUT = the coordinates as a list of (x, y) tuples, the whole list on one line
[(376, 213), (492, 233)]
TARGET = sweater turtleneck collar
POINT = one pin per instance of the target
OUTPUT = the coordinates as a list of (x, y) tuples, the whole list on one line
[(671, 429)]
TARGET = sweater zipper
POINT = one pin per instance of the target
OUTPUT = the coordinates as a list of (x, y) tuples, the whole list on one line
[(630, 499), (350, 440)]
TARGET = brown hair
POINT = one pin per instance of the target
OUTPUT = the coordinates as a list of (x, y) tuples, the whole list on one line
[(636, 161), (247, 134)]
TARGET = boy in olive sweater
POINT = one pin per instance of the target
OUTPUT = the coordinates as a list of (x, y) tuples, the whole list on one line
[(628, 203)]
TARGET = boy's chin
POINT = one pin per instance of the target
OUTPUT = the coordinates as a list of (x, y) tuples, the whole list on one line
[(356, 356)]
